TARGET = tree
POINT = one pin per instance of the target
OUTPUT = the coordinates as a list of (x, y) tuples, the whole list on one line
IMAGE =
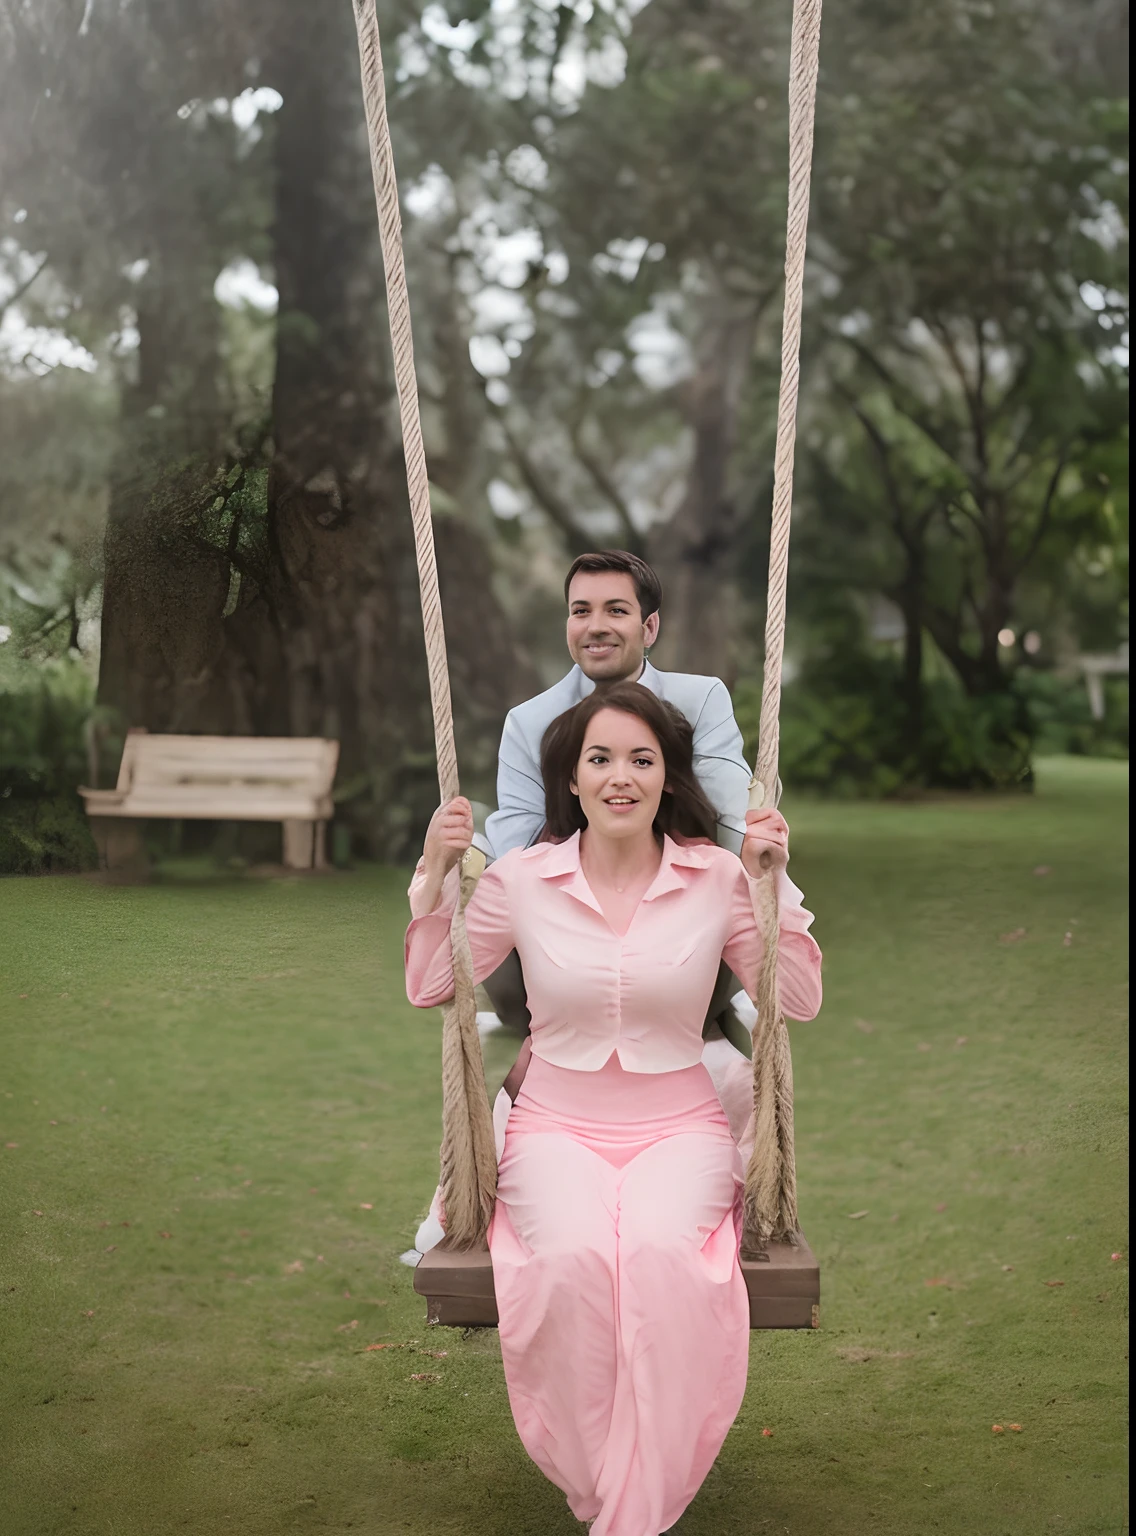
[(971, 227)]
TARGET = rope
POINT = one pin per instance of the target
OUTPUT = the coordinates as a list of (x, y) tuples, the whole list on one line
[(469, 1170), (770, 1208), (469, 1161)]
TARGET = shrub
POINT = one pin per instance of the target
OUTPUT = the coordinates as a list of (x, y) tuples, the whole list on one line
[(43, 721), (845, 731)]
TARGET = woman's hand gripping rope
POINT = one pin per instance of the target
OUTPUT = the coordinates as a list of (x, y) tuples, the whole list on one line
[(766, 844)]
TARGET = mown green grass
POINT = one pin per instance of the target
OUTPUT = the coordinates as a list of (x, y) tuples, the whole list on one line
[(233, 1063)]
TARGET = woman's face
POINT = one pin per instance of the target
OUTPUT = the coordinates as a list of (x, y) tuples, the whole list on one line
[(620, 775)]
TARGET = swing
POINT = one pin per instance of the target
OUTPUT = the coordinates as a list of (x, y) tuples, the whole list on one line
[(781, 1273)]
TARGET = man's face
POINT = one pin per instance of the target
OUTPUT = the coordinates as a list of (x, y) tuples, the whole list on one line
[(607, 634)]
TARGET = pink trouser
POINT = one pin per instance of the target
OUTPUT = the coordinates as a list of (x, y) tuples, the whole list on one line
[(624, 1322)]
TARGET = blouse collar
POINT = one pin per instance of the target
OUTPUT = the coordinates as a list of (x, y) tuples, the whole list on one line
[(561, 861)]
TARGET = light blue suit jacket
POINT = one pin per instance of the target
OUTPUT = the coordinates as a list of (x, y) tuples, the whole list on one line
[(718, 759)]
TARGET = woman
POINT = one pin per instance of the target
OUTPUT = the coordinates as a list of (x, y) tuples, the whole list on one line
[(624, 1321)]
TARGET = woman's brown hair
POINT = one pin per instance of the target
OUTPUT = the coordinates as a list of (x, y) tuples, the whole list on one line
[(684, 810)]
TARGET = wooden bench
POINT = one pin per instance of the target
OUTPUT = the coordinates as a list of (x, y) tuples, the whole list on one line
[(217, 778), (784, 1288)]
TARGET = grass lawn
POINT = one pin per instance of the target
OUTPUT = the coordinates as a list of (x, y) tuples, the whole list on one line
[(221, 1120)]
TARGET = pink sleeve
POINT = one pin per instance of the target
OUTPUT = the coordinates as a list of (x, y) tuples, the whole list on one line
[(429, 967), (798, 955)]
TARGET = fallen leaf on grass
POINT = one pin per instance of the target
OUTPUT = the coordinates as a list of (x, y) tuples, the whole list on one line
[(767, 1434), (1007, 1269), (1017, 1428), (961, 1040), (165, 1234), (1052, 1284), (435, 1354), (1115, 1256), (53, 1122), (295, 1268), (111, 1249), (1067, 940), (940, 1280), (88, 1314), (856, 1215), (942, 1205), (365, 1205), (11, 1145), (997, 1429), (37, 1213), (425, 1376), (1013, 936), (347, 1327), (369, 1349)]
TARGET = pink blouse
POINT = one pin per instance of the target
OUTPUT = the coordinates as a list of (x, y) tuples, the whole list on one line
[(591, 992)]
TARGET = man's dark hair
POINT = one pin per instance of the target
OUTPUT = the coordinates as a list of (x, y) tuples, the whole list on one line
[(684, 810), (648, 587)]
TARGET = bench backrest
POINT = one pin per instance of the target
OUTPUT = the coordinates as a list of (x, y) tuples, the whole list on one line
[(301, 764)]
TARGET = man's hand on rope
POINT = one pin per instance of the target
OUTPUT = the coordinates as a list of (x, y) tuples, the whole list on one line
[(766, 844), (448, 836)]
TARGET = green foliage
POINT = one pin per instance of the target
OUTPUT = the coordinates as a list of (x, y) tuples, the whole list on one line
[(43, 758), (1062, 721), (846, 731), (45, 837)]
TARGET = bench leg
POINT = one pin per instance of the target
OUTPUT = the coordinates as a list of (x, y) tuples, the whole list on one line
[(299, 844), (320, 859), (121, 846)]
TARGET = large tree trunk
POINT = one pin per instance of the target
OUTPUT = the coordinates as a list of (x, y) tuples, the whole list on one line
[(696, 553), (164, 588), (343, 584)]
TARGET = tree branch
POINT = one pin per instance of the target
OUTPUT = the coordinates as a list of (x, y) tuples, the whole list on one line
[(553, 504), (1045, 515), (22, 288), (607, 488), (905, 407)]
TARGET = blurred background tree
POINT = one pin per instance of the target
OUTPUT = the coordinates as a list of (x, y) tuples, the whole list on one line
[(202, 513)]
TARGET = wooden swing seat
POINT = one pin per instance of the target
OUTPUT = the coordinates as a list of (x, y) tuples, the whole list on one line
[(784, 1290)]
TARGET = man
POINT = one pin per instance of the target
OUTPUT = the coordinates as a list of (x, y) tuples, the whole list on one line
[(613, 620), (613, 602)]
